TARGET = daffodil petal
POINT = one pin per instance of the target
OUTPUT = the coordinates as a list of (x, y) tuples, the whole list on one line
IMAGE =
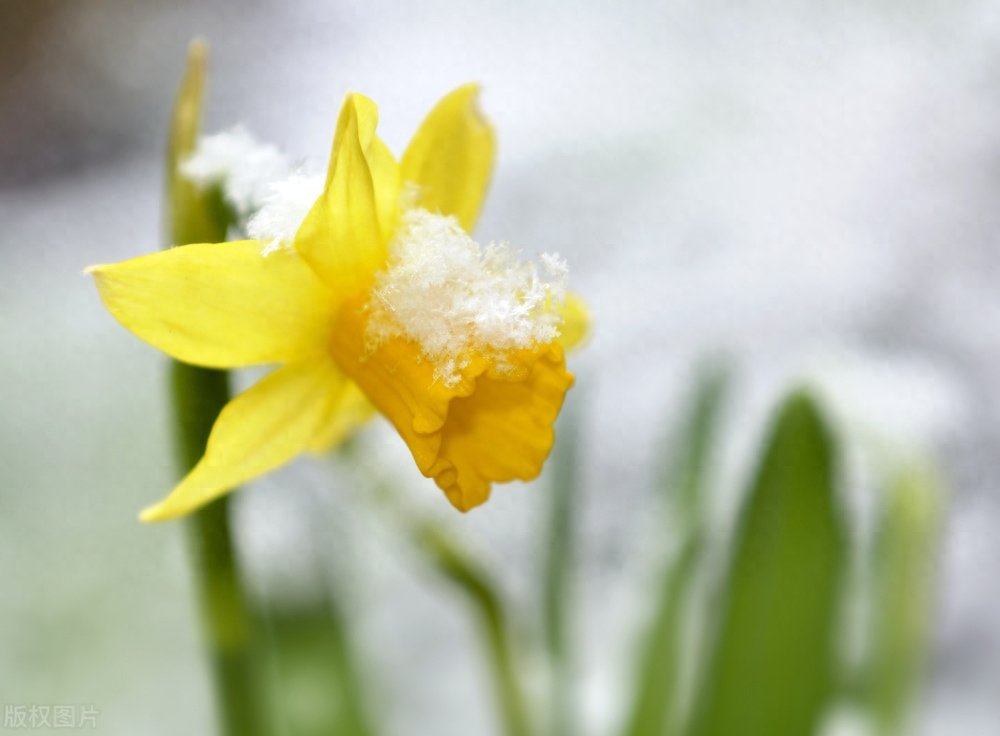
[(341, 237), (385, 183), (221, 305), (382, 164), (490, 426), (576, 320), (451, 157), (357, 110), (350, 410), (257, 431)]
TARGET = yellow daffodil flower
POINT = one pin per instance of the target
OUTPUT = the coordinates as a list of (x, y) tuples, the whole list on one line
[(381, 302)]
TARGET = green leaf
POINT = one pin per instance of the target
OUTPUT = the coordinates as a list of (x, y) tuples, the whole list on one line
[(192, 215), (685, 478), (656, 702), (656, 705), (772, 670), (905, 553)]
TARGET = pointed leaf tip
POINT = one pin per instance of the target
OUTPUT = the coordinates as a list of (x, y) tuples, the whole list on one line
[(773, 669)]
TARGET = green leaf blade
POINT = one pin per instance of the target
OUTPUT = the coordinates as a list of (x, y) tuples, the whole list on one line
[(904, 563), (772, 671)]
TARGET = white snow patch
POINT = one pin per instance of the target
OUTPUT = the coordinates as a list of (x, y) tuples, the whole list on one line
[(243, 166), (455, 297), (282, 212)]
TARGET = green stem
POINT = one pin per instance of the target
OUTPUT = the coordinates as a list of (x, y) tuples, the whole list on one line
[(558, 572), (199, 395), (511, 699), (451, 560)]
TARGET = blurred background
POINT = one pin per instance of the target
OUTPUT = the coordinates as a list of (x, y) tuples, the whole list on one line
[(810, 189)]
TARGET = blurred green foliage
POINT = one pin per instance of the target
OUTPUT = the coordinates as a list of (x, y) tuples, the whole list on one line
[(773, 665), (903, 575), (316, 689), (657, 701), (490, 609), (559, 550), (193, 215)]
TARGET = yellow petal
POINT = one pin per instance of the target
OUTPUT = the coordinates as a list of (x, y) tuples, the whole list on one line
[(220, 305), (491, 426), (385, 183), (575, 327), (351, 409), (381, 163), (356, 110), (258, 431), (451, 157), (342, 237)]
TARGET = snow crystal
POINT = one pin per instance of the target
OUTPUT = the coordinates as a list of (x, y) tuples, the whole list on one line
[(283, 210), (455, 297), (242, 165)]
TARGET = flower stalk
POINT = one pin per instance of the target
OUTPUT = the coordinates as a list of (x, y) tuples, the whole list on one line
[(198, 395), (452, 561)]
